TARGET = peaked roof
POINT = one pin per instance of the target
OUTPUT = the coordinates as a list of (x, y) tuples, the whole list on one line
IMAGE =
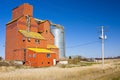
[(41, 21), (14, 20), (31, 34)]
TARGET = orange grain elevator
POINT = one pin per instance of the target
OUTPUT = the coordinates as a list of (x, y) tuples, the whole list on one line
[(30, 40)]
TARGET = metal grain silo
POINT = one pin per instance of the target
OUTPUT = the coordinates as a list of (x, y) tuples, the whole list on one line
[(58, 32)]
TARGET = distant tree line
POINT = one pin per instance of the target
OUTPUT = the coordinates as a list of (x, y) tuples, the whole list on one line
[(117, 57)]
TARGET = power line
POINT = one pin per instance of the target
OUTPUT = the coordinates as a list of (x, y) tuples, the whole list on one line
[(83, 44)]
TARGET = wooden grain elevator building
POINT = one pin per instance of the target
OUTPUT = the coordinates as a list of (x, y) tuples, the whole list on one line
[(30, 40)]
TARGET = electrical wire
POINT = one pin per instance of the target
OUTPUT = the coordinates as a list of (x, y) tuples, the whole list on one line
[(83, 44)]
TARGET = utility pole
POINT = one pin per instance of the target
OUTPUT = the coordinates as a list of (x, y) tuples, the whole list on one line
[(102, 37)]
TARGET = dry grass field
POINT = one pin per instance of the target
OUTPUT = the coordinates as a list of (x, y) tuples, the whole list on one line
[(93, 72)]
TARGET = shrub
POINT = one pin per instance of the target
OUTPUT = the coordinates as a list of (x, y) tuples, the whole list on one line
[(4, 64), (1, 58), (12, 63), (74, 60)]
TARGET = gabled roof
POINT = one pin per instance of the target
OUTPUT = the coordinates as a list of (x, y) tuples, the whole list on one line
[(51, 46), (14, 20), (40, 50), (41, 21), (31, 34)]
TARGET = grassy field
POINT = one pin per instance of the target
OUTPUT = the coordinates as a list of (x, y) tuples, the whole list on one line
[(112, 76), (111, 71)]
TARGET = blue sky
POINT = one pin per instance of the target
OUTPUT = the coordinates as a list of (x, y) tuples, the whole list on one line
[(81, 20)]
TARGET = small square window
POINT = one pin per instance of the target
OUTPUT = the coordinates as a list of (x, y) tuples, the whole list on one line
[(34, 55), (30, 56), (28, 39), (42, 62), (46, 31), (48, 62), (37, 41), (23, 39), (48, 55)]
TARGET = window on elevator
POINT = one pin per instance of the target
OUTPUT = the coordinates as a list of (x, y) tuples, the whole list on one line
[(23, 39), (34, 55), (48, 55), (29, 56), (28, 39), (48, 62), (46, 31), (37, 41)]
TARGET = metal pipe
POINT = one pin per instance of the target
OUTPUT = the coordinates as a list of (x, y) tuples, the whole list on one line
[(28, 23)]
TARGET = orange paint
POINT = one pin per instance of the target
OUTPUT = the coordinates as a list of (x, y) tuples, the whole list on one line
[(23, 10), (17, 43)]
